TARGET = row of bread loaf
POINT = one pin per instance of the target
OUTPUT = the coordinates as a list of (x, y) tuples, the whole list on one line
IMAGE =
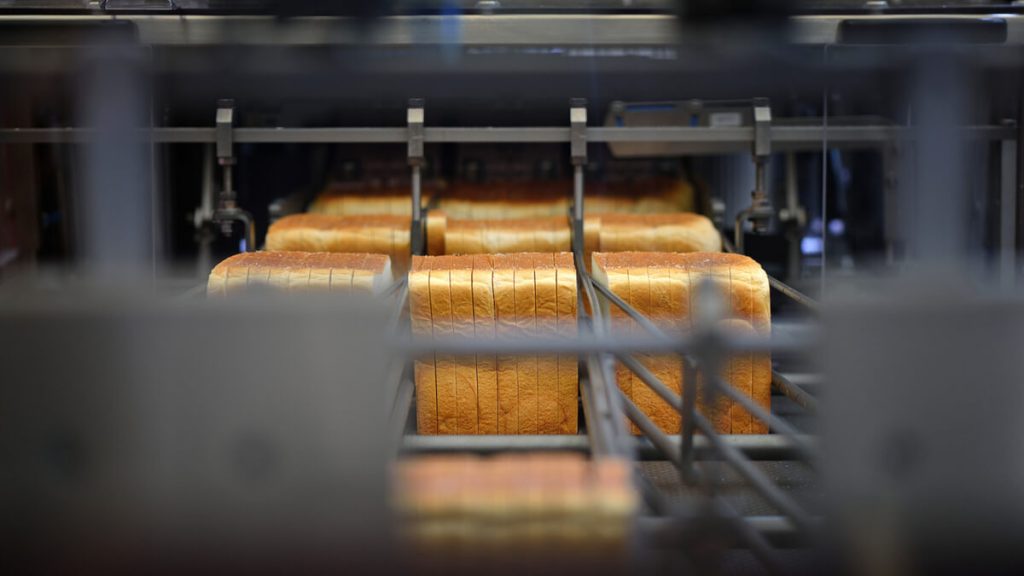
[(679, 232), (513, 200)]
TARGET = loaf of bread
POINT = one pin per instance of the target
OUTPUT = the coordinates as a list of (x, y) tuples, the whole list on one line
[(483, 296), (463, 508), (662, 287), (675, 232), (357, 200), (300, 271), (512, 200), (355, 234)]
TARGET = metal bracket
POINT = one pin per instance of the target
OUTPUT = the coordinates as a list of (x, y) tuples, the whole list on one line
[(227, 210), (414, 117), (578, 149), (760, 212)]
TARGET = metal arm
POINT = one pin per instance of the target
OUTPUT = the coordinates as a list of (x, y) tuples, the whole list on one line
[(760, 212), (228, 210)]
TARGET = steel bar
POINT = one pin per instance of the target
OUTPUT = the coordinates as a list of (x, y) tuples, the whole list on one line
[(667, 530), (794, 392), (777, 424), (793, 293), (758, 480), (652, 381), (400, 413), (757, 447), (639, 318), (655, 26), (590, 344), (1008, 213), (650, 430), (716, 139), (488, 444)]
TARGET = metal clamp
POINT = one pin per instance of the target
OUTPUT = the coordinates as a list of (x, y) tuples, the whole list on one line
[(414, 119), (760, 212), (227, 210)]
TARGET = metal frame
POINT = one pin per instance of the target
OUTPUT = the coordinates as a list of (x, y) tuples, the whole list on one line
[(604, 404)]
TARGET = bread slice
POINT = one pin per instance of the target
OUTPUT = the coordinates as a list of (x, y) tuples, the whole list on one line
[(761, 385), (741, 364), (526, 324), (640, 299), (609, 271), (421, 323), (443, 326), (568, 365), (463, 325), (298, 271), (506, 327), (549, 417), (484, 328), (665, 309)]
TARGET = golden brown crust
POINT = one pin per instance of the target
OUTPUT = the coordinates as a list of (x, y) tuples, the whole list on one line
[(462, 325), (484, 324), (568, 366), (549, 418), (296, 271), (441, 313), (526, 323), (421, 322), (505, 316)]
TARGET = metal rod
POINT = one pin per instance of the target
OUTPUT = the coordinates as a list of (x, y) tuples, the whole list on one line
[(400, 414), (793, 293), (1008, 214), (777, 424), (490, 444), (794, 392), (757, 447), (713, 139), (629, 310), (650, 430), (652, 381), (761, 483)]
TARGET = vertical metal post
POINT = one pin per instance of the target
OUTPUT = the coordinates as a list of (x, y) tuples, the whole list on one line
[(1008, 213), (414, 119), (113, 219), (578, 149), (760, 211), (228, 210)]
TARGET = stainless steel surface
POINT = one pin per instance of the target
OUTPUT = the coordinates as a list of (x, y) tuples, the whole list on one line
[(705, 140), (570, 30)]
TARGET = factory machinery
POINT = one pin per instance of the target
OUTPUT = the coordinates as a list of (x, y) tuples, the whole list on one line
[(707, 497)]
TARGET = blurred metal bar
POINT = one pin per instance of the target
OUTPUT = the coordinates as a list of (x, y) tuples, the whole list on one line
[(757, 447), (487, 444), (660, 440), (777, 424), (792, 293), (778, 530), (717, 139), (758, 480), (639, 318), (1008, 213), (507, 29), (794, 392)]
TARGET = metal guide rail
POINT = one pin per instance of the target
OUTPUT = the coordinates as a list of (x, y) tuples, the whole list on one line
[(606, 407)]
